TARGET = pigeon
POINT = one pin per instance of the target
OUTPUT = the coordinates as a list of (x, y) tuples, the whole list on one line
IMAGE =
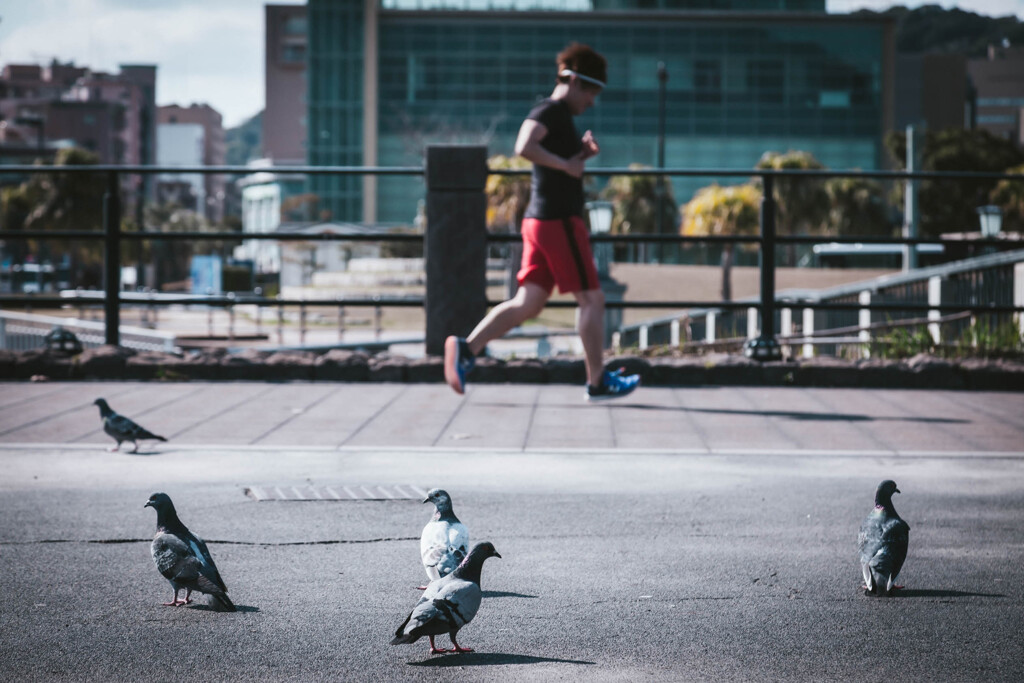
[(445, 540), (884, 537), (447, 604), (121, 428), (182, 557)]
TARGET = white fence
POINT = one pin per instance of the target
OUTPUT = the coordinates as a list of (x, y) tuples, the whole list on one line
[(25, 331)]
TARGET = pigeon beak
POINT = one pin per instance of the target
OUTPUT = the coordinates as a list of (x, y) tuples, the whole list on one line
[(426, 500), (496, 555), (898, 491), (148, 504)]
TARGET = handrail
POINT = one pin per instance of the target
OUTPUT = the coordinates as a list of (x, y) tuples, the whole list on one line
[(765, 346)]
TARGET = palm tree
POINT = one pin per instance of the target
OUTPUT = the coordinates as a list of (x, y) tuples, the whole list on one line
[(1009, 194), (801, 203), (717, 210), (507, 198), (856, 207), (635, 200)]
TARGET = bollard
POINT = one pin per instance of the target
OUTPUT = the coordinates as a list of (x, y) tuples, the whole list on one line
[(455, 245)]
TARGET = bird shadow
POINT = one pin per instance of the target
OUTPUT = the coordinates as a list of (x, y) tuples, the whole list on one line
[(238, 608), (143, 453), (941, 593), (505, 594), (492, 659)]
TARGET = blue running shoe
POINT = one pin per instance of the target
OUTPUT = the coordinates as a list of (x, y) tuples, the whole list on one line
[(613, 385), (458, 361)]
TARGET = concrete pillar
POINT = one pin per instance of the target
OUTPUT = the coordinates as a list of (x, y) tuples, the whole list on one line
[(752, 323), (808, 329), (455, 248), (673, 333), (864, 321), (643, 344), (935, 299), (709, 326)]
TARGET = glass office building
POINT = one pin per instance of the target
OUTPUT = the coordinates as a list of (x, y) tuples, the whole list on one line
[(744, 76)]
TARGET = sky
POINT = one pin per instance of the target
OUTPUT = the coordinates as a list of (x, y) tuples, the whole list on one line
[(210, 51)]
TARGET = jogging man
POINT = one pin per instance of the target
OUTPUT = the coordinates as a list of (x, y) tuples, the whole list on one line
[(556, 243)]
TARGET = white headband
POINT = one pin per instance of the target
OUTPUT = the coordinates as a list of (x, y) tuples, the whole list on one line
[(588, 79)]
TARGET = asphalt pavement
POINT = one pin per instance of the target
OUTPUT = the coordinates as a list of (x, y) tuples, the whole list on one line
[(681, 534)]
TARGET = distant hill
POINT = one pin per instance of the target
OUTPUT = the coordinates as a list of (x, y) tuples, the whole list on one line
[(930, 28), (245, 142)]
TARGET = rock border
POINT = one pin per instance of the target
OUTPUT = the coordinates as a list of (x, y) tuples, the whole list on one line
[(118, 363)]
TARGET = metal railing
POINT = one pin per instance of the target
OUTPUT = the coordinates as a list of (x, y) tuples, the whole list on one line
[(764, 346)]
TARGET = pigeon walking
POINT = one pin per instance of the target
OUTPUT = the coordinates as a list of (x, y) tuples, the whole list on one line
[(445, 540), (121, 428), (884, 538), (182, 557), (447, 604)]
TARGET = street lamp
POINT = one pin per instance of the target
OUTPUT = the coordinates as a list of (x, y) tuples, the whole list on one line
[(991, 219)]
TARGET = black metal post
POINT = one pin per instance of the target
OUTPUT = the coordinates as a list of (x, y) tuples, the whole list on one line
[(662, 80), (112, 259), (766, 347)]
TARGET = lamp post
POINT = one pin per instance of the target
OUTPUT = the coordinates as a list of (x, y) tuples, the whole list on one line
[(991, 218), (662, 81), (601, 214)]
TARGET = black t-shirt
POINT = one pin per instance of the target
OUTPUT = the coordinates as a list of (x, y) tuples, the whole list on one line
[(554, 194)]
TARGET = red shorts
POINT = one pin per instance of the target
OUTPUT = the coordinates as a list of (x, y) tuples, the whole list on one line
[(557, 252)]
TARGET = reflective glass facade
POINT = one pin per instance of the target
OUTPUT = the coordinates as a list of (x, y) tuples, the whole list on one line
[(738, 85)]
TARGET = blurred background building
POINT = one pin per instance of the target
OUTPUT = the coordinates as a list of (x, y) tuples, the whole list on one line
[(744, 76)]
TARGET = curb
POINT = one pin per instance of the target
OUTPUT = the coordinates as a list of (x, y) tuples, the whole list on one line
[(118, 363)]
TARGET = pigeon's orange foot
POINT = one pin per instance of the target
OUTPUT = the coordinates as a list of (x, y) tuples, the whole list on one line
[(462, 649), (175, 603), (421, 588), (113, 449), (895, 587), (437, 650)]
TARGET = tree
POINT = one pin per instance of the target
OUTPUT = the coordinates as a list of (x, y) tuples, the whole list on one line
[(59, 201), (1009, 195), (951, 205), (856, 207), (635, 200), (801, 204), (717, 210), (507, 195), (507, 199)]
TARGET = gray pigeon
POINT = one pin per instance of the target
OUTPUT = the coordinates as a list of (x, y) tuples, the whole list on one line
[(121, 428), (445, 540), (447, 604), (884, 538), (183, 558)]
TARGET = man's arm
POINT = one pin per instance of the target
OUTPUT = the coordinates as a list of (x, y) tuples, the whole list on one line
[(528, 146)]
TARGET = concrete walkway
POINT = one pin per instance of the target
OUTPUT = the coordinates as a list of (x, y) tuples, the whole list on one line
[(683, 534), (519, 417)]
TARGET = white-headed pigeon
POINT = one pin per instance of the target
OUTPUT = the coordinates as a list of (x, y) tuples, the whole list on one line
[(182, 557), (884, 538), (447, 604), (445, 540)]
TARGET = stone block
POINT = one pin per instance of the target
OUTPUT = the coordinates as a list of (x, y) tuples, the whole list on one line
[(103, 362), (526, 371), (290, 365), (341, 365), (427, 370)]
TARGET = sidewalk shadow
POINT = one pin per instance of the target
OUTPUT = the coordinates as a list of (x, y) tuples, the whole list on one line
[(797, 415), (491, 659), (941, 593), (505, 594)]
